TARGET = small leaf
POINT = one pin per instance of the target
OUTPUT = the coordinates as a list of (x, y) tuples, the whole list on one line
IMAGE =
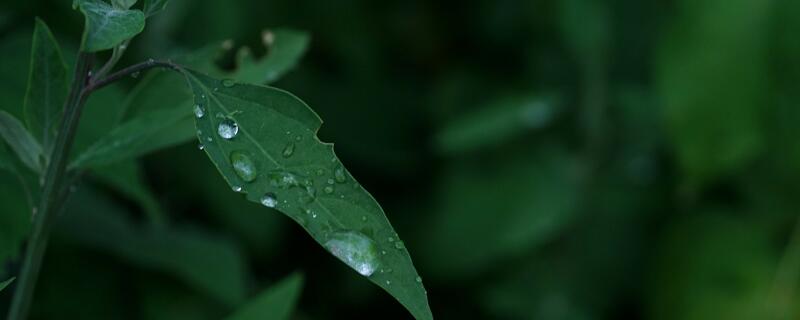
[(106, 26), (21, 141), (152, 7), (285, 48), (47, 86), (138, 136), (4, 284), (274, 303), (300, 176)]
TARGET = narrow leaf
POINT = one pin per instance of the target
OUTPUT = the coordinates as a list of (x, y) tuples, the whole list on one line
[(145, 133), (263, 141), (106, 26), (4, 284), (274, 303), (21, 141), (152, 7), (47, 86), (285, 48)]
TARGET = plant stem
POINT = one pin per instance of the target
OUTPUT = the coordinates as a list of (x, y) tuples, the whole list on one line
[(139, 67), (52, 191)]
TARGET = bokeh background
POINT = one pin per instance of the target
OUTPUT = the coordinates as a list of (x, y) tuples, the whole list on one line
[(571, 159)]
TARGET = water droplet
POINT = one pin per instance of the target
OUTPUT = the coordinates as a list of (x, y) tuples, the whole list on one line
[(363, 218), (356, 250), (399, 245), (237, 188), (298, 138), (243, 166), (200, 146), (419, 280), (328, 189), (282, 179), (320, 172), (135, 74), (227, 83), (312, 192), (338, 174), (288, 150), (269, 200), (209, 139), (389, 270), (388, 282), (198, 111), (383, 252), (228, 129), (391, 239), (330, 181)]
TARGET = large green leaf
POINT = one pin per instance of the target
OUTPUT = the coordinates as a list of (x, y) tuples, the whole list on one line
[(211, 264), (263, 141), (107, 26), (274, 303), (21, 141), (47, 86), (711, 74), (128, 178), (4, 284)]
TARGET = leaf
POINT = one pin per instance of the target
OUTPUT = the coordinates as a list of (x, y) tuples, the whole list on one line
[(123, 4), (279, 156), (714, 127), (127, 178), (4, 284), (106, 26), (498, 121), (274, 303), (47, 86), (285, 48), (211, 264), (15, 220), (143, 134), (152, 7), (21, 141)]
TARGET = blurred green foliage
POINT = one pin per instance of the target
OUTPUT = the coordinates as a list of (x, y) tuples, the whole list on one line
[(578, 159)]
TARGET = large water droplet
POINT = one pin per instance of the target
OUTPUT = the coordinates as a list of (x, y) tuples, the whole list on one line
[(228, 129), (243, 166), (338, 174), (269, 200), (356, 250), (288, 150), (227, 83), (198, 111)]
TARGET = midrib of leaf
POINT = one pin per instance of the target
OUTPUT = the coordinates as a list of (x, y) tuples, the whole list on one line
[(212, 94)]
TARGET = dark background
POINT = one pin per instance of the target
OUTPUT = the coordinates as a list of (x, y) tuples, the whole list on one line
[(574, 159)]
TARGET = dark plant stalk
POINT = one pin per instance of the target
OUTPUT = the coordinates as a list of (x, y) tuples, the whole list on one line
[(52, 189)]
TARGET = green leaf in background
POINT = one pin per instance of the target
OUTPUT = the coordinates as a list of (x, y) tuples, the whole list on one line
[(263, 141), (128, 178), (47, 86), (21, 141), (275, 303), (15, 222), (285, 48), (711, 73), (532, 198), (106, 26), (500, 120), (138, 136), (5, 284), (211, 264), (152, 7)]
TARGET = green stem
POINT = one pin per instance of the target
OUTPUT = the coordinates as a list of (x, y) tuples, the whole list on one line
[(52, 191)]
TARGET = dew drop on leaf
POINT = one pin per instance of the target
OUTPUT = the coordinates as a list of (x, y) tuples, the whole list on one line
[(288, 150), (269, 200), (356, 250), (328, 189), (282, 179), (200, 146), (418, 279), (227, 83), (237, 188), (228, 129), (243, 166), (338, 174), (198, 111)]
